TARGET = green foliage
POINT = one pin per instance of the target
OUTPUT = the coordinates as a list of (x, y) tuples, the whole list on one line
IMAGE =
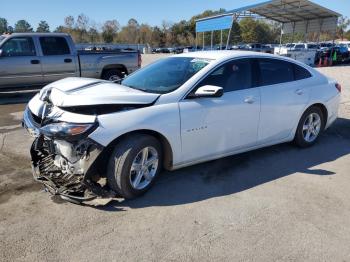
[(22, 26), (182, 33), (43, 27), (347, 35), (3, 25), (253, 31), (109, 30), (343, 23)]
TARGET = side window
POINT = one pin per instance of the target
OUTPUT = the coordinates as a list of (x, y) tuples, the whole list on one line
[(274, 71), (54, 46), (301, 73), (233, 76), (19, 46)]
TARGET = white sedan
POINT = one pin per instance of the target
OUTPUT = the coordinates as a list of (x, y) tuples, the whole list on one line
[(95, 138)]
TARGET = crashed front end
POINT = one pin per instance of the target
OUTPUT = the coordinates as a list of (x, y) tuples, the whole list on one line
[(64, 158)]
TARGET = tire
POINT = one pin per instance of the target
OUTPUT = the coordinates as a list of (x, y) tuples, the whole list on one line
[(314, 113), (120, 175), (112, 75)]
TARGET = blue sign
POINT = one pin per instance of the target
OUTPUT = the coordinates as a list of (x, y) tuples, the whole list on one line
[(213, 24)]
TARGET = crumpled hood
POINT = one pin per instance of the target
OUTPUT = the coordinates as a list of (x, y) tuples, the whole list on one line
[(76, 91)]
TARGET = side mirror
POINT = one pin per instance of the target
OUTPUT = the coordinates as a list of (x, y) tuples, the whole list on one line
[(209, 91)]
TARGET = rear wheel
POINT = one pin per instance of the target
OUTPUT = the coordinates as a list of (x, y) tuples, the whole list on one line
[(134, 165), (310, 127), (113, 75)]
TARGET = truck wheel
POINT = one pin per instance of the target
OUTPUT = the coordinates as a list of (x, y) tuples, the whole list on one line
[(112, 75), (310, 127), (134, 165)]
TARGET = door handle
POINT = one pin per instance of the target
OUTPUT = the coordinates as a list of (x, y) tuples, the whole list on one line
[(249, 100), (68, 60), (299, 91), (35, 62)]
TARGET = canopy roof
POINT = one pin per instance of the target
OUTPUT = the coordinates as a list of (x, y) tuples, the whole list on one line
[(296, 15)]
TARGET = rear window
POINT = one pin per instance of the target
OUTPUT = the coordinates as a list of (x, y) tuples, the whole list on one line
[(54, 46), (273, 71), (301, 73)]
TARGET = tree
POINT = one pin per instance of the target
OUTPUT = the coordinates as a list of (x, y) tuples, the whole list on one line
[(43, 27), (145, 33), (347, 35), (3, 25), (82, 27), (343, 23), (157, 37), (69, 22), (93, 35), (22, 26), (109, 30), (253, 31), (130, 33), (10, 29)]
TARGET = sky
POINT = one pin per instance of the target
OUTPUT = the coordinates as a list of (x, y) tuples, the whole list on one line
[(152, 12)]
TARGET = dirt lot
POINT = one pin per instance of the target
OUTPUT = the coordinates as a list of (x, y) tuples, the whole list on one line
[(278, 203)]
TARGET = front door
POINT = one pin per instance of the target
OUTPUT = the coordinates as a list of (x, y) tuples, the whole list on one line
[(20, 66), (212, 127)]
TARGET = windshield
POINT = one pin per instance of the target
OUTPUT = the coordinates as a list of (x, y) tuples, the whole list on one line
[(165, 75)]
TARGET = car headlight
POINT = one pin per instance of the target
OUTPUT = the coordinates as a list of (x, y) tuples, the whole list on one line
[(64, 129)]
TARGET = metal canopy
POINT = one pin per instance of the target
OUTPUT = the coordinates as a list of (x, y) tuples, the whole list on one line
[(296, 15)]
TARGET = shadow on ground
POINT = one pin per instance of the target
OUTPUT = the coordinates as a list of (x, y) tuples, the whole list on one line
[(234, 174)]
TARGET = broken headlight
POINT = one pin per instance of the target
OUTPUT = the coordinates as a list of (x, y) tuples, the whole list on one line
[(64, 129)]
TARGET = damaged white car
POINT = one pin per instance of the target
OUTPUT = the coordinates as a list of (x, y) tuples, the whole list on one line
[(176, 112)]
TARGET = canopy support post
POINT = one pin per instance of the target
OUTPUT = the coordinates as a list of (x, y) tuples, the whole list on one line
[(203, 41), (229, 32), (293, 32), (211, 41), (281, 37), (196, 40), (306, 31), (221, 39)]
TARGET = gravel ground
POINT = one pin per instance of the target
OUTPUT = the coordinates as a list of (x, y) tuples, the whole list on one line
[(277, 203)]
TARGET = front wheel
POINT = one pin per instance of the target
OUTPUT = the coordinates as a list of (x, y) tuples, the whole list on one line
[(113, 75), (134, 165), (310, 127)]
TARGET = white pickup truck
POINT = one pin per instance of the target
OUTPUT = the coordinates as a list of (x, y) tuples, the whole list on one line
[(36, 59)]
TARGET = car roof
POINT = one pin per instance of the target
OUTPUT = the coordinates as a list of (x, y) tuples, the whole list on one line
[(225, 54), (36, 34)]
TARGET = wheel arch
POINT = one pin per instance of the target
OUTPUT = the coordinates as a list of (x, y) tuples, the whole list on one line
[(119, 67), (323, 109), (166, 146)]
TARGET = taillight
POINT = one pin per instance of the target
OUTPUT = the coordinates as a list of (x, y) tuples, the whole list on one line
[(139, 61), (338, 86)]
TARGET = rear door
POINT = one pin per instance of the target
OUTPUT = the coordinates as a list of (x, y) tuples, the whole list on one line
[(284, 94), (58, 60), (214, 126), (19, 63)]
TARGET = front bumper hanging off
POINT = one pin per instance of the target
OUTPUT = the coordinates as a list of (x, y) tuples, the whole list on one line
[(67, 169)]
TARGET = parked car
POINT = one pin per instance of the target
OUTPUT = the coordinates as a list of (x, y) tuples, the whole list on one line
[(36, 59), (179, 111), (257, 48)]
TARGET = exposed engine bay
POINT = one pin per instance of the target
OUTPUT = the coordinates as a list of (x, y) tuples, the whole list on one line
[(64, 158), (67, 169)]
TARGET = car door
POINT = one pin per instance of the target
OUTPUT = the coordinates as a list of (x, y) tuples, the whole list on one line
[(284, 94), (58, 60), (19, 63), (216, 126)]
